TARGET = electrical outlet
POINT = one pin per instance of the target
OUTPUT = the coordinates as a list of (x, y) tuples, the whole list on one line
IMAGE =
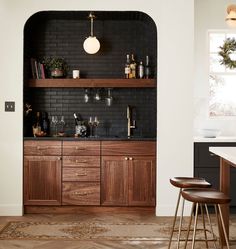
[(9, 106)]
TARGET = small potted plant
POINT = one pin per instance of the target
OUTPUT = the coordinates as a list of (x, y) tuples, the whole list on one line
[(56, 67)]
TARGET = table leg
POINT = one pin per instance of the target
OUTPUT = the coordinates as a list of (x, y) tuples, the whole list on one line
[(225, 188)]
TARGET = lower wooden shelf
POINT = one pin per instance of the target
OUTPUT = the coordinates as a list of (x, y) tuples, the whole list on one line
[(92, 83)]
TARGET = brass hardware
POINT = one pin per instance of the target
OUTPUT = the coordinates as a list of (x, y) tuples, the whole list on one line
[(81, 174), (126, 158), (78, 148), (38, 147), (77, 161), (131, 158), (78, 193), (59, 158), (133, 126)]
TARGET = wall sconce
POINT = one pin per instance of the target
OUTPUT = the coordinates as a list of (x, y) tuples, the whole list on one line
[(231, 17), (91, 44)]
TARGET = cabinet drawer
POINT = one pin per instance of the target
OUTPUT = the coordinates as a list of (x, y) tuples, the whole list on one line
[(78, 193), (128, 148), (81, 174), (81, 148), (39, 148), (81, 161)]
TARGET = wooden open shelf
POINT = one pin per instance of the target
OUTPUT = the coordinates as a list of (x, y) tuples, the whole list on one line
[(92, 83)]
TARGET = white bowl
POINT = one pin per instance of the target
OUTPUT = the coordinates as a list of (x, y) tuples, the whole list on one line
[(211, 133)]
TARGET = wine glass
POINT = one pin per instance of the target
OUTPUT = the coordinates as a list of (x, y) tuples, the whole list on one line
[(95, 125), (54, 123), (86, 96), (61, 125), (109, 98), (90, 123)]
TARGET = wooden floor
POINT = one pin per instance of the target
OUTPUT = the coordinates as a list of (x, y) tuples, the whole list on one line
[(102, 217)]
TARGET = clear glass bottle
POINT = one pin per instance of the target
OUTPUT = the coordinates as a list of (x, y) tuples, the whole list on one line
[(140, 70), (127, 67)]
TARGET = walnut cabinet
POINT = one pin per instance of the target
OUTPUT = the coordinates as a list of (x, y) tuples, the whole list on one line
[(128, 174), (42, 173), (85, 173)]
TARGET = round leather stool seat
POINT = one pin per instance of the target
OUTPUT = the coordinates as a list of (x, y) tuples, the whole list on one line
[(189, 182), (207, 196)]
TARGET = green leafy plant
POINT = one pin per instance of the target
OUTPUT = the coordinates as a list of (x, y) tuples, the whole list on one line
[(228, 48), (52, 63)]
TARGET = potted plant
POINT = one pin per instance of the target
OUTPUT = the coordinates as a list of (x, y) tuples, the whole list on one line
[(56, 67)]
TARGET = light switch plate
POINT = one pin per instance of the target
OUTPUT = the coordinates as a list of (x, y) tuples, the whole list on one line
[(9, 106)]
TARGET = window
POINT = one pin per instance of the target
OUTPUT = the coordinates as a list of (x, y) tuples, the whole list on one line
[(222, 80)]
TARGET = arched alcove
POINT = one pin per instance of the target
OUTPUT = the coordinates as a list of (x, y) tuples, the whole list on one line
[(61, 34)]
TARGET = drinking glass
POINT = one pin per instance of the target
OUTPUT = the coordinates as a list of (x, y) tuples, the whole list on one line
[(90, 123)]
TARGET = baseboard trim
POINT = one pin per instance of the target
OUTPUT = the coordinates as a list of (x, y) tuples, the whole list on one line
[(11, 210), (83, 209)]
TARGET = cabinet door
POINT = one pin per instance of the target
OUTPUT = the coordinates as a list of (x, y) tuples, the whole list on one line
[(142, 187), (42, 180), (114, 181)]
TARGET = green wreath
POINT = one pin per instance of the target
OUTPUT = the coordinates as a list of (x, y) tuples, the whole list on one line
[(228, 48)]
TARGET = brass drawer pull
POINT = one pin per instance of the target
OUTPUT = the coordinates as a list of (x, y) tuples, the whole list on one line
[(78, 148), (41, 148), (78, 193), (81, 161), (131, 158), (81, 174)]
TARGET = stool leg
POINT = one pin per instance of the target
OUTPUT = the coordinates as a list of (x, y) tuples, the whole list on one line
[(195, 226), (210, 224), (218, 225), (223, 226), (180, 224), (176, 213), (204, 226), (189, 225)]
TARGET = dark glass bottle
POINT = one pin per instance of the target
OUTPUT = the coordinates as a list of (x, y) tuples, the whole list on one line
[(45, 123), (133, 67), (147, 71)]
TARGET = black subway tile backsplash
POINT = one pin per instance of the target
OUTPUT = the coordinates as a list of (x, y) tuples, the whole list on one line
[(113, 119)]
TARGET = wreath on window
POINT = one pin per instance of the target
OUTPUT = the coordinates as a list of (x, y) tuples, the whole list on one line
[(228, 48)]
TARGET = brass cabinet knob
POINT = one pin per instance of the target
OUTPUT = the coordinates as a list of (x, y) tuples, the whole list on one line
[(126, 158), (131, 158)]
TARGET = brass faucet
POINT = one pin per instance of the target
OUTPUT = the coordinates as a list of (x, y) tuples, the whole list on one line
[(129, 121)]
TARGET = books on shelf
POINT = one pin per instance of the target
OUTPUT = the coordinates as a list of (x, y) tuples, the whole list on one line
[(37, 69)]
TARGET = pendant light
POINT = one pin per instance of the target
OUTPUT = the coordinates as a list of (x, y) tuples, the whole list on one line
[(231, 17), (91, 44)]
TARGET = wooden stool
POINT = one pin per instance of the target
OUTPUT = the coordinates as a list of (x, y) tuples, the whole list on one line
[(205, 196), (181, 183)]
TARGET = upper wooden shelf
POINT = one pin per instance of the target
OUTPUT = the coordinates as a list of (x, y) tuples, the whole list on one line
[(92, 83)]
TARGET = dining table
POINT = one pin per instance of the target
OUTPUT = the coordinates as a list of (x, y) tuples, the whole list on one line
[(227, 159)]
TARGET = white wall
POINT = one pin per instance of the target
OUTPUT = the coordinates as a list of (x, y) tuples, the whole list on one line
[(174, 19), (209, 15)]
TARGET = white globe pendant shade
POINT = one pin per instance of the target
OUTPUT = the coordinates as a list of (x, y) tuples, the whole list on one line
[(231, 17), (91, 45)]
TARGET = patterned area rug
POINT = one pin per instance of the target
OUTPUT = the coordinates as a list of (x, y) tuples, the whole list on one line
[(89, 231)]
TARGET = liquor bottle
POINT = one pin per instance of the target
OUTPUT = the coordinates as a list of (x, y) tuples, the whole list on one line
[(147, 70), (37, 124), (127, 67), (133, 67), (140, 70)]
